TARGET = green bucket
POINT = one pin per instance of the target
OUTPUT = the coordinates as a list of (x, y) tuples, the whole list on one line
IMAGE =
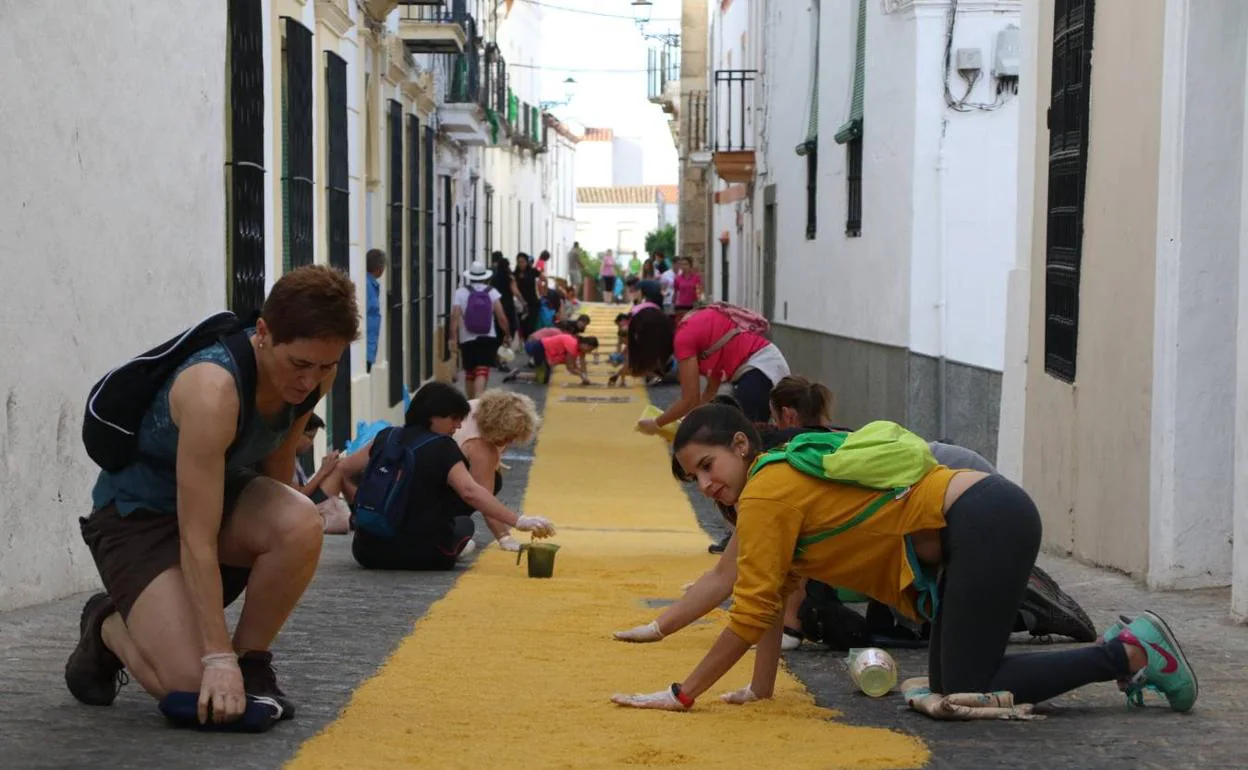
[(541, 558)]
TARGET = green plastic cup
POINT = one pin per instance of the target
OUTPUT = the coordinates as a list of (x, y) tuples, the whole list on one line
[(541, 559)]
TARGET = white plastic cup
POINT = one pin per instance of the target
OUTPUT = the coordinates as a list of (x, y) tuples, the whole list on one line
[(873, 670)]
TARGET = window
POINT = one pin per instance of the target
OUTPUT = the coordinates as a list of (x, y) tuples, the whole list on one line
[(812, 188), (850, 134), (427, 242), (489, 220), (447, 270), (297, 193), (413, 251), (1068, 164), (338, 216), (810, 148), (245, 164), (394, 324)]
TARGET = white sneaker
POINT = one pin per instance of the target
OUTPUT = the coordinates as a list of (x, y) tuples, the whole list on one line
[(469, 549), (788, 642)]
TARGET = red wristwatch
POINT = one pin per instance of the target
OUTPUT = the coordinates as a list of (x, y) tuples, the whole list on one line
[(685, 700)]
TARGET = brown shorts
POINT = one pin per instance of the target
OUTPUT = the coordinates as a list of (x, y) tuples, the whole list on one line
[(131, 550)]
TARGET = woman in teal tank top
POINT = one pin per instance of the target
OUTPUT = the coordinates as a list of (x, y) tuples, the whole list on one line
[(180, 532)]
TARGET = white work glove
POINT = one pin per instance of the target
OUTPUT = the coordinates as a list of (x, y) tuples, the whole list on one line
[(539, 526), (738, 697), (663, 700), (641, 634), (508, 543)]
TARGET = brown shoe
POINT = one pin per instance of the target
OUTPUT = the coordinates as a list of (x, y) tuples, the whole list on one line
[(93, 673)]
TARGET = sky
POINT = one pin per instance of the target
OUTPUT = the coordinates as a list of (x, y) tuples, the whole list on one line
[(593, 40)]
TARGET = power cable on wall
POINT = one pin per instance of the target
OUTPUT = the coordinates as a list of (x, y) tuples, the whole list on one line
[(962, 105)]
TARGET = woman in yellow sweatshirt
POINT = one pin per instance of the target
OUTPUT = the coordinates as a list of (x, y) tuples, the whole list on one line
[(980, 531)]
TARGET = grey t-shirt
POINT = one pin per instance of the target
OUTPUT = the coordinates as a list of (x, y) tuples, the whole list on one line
[(960, 458)]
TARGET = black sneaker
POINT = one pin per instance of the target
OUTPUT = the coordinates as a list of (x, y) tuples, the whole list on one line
[(93, 674), (260, 680), (1048, 610), (721, 546)]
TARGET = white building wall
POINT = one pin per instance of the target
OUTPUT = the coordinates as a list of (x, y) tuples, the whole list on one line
[(622, 229), (99, 276), (595, 163), (965, 175)]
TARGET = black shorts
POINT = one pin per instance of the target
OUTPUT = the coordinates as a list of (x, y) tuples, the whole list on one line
[(479, 353), (131, 551), (608, 283)]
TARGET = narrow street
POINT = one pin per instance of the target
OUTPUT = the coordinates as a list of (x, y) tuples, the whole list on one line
[(501, 670)]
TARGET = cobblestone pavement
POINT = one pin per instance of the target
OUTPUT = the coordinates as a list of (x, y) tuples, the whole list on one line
[(1089, 728), (350, 621)]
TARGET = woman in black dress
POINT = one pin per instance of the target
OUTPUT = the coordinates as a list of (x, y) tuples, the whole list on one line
[(505, 283), (526, 279)]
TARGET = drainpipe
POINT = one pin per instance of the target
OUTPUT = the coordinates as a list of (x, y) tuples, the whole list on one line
[(942, 303)]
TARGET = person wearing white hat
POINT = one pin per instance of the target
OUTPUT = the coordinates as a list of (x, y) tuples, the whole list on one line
[(479, 321)]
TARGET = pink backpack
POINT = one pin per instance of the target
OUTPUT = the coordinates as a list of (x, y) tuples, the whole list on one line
[(744, 321)]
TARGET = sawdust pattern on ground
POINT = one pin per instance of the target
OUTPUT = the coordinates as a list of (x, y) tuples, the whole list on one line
[(507, 671)]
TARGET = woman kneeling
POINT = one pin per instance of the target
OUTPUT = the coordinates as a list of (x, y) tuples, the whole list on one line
[(435, 527)]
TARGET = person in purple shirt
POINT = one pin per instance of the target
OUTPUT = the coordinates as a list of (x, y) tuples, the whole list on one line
[(375, 264)]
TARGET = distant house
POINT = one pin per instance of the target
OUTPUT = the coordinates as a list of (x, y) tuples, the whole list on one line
[(619, 217)]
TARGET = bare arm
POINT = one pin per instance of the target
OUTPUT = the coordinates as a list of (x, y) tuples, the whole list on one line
[(500, 316), (456, 317), (479, 497), (204, 405), (687, 373), (280, 464), (707, 593), (483, 464)]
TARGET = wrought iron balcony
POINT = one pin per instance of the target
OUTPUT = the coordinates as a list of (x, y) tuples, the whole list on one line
[(733, 129), (695, 120), (435, 26), (464, 109), (663, 76)]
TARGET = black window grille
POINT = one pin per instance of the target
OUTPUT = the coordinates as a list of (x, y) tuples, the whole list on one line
[(297, 145), (853, 177), (395, 299), (472, 230), (427, 242), (448, 260), (245, 167), (489, 220), (338, 215), (812, 188), (1068, 165), (413, 251)]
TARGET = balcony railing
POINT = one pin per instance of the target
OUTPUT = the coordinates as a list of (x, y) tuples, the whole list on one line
[(436, 27), (445, 11), (695, 117), (733, 111), (663, 67), (464, 84), (494, 80)]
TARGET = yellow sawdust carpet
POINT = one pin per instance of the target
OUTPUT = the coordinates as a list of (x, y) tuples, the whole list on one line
[(512, 672)]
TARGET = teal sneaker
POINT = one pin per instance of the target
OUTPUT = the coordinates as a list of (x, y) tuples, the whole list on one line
[(1114, 630), (1167, 671)]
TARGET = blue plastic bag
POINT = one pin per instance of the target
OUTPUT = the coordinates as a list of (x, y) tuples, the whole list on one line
[(364, 433)]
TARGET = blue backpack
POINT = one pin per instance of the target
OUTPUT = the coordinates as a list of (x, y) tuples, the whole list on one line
[(381, 499)]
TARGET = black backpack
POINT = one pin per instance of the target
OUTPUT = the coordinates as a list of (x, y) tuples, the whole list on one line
[(117, 403)]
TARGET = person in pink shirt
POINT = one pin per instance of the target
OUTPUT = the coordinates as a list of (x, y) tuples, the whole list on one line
[(688, 287), (707, 343), (561, 348)]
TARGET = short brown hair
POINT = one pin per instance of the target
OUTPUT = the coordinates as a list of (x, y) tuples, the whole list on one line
[(374, 260), (312, 302)]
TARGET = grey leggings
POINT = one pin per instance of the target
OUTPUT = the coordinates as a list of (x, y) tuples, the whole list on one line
[(990, 543)]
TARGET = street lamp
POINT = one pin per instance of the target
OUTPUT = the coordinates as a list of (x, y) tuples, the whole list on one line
[(641, 17), (641, 12), (569, 93)]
